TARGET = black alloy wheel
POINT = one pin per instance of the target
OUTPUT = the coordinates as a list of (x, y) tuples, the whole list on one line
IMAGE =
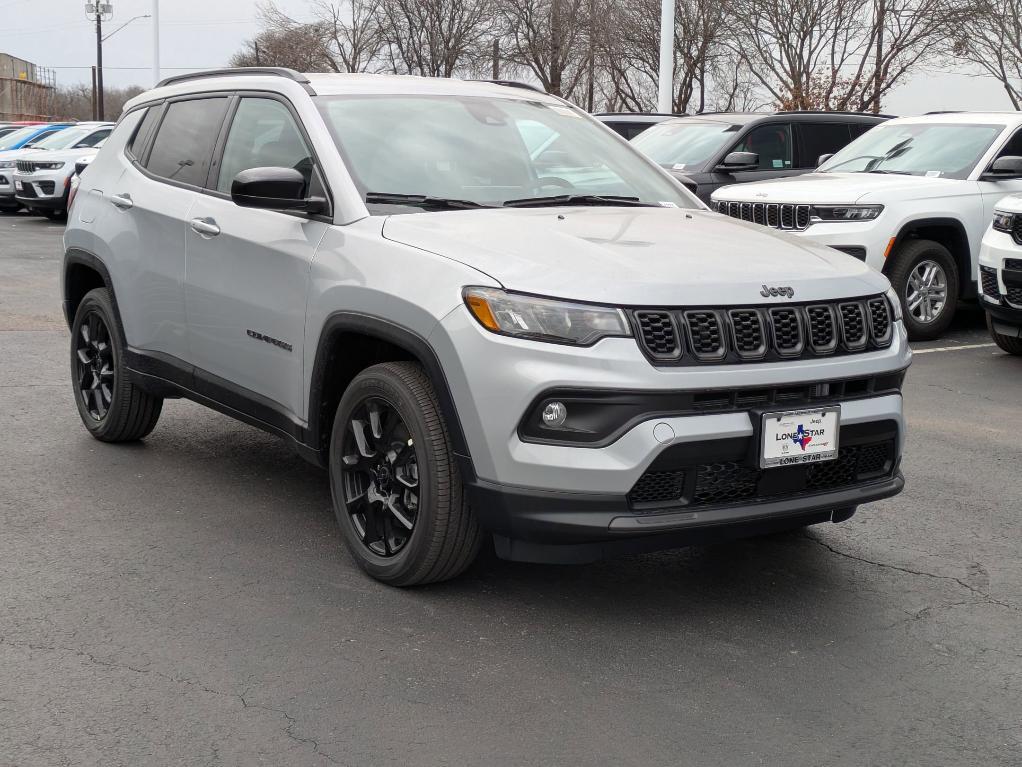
[(95, 366), (380, 476)]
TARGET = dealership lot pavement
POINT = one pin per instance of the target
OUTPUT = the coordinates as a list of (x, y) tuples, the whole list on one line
[(187, 601)]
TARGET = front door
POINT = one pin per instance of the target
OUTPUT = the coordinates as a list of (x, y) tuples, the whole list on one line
[(248, 271)]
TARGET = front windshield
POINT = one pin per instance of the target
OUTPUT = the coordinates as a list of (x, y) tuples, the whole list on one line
[(63, 139), (487, 151), (13, 139), (685, 143), (935, 150)]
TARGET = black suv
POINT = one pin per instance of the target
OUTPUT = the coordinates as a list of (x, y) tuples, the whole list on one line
[(631, 124), (711, 150)]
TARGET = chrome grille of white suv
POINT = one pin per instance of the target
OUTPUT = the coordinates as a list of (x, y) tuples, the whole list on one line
[(772, 214)]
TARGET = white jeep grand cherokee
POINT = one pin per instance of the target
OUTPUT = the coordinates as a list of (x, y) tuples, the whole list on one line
[(557, 347), (912, 198)]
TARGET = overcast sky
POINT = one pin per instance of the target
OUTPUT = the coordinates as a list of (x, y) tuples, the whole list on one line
[(205, 33)]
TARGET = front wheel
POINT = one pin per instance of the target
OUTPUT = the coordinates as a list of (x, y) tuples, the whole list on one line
[(396, 488), (924, 274), (1010, 344)]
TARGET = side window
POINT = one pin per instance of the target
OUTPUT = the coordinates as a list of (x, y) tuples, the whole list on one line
[(40, 137), (263, 135), (821, 138), (772, 143), (145, 127), (94, 138), (184, 142)]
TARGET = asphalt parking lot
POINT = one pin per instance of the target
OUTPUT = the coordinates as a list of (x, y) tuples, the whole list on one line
[(187, 601)]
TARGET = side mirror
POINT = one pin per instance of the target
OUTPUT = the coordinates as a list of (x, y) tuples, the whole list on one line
[(736, 161), (273, 189), (1003, 168), (81, 165), (823, 158)]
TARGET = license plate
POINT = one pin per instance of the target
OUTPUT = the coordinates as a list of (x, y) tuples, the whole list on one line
[(18, 186), (800, 436)]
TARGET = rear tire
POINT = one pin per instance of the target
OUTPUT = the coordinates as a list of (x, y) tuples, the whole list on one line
[(1010, 344), (925, 276), (397, 490), (112, 408)]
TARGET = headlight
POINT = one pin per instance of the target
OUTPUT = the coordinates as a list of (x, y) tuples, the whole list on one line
[(892, 299), (544, 319), (6, 163), (1002, 221), (49, 165), (846, 212)]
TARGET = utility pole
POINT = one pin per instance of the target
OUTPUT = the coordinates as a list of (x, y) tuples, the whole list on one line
[(156, 41), (99, 11), (665, 91)]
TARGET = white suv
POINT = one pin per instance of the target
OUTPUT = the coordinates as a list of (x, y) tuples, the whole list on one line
[(1000, 273), (379, 270), (912, 198)]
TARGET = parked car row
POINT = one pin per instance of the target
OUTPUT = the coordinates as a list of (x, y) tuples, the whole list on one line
[(911, 197), (37, 164)]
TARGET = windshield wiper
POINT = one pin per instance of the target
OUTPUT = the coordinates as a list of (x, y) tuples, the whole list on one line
[(577, 199), (421, 201)]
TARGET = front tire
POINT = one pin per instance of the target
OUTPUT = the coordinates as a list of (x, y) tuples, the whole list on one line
[(925, 276), (112, 408), (1009, 344), (396, 488)]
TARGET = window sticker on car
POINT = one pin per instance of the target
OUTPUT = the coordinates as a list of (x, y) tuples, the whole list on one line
[(933, 174), (678, 166), (664, 204), (778, 163)]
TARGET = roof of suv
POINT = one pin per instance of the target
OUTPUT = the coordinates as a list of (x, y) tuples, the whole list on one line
[(330, 84), (999, 118)]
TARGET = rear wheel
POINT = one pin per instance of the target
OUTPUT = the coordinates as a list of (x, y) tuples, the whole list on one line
[(112, 408), (396, 487), (924, 274), (1010, 344)]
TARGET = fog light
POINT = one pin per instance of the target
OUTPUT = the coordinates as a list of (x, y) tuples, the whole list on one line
[(555, 414)]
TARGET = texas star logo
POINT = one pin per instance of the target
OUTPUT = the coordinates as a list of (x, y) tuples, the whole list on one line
[(800, 437)]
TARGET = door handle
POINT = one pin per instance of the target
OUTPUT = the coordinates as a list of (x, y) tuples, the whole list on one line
[(205, 226), (122, 201)]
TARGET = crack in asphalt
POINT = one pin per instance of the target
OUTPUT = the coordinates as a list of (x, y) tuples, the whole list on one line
[(289, 730), (982, 594)]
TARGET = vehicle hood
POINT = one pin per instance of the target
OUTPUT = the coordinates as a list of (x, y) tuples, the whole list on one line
[(842, 189), (62, 155), (635, 256)]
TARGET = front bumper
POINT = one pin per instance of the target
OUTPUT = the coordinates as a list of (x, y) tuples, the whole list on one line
[(1001, 282), (524, 491), (41, 191)]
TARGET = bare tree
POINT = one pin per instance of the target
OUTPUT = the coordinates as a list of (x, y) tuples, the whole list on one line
[(298, 46), (550, 38), (435, 38), (836, 54), (343, 37), (989, 35), (75, 102)]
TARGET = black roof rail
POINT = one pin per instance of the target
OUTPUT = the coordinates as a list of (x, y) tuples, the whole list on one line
[(945, 112), (831, 112), (289, 74), (512, 84)]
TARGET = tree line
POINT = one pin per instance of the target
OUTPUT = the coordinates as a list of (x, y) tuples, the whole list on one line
[(604, 54)]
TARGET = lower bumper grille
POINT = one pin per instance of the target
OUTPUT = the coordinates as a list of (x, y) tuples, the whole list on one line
[(720, 483), (27, 190), (988, 280)]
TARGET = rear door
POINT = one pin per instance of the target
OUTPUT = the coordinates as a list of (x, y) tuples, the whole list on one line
[(248, 269), (168, 161)]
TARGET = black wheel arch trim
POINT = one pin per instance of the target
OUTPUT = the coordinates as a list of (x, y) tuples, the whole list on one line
[(966, 281), (80, 257), (421, 350)]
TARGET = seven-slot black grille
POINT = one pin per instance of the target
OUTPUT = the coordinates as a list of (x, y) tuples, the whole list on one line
[(742, 334), (24, 166), (776, 215), (988, 279), (720, 483)]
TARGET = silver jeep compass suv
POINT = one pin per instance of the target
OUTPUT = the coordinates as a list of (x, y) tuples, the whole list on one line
[(483, 312)]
